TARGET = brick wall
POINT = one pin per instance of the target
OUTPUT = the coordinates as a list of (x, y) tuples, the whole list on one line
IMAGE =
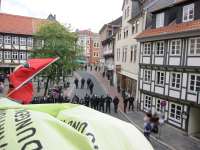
[(92, 50)]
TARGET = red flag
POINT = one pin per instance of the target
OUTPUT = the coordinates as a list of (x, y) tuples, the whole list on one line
[(25, 71), (24, 93)]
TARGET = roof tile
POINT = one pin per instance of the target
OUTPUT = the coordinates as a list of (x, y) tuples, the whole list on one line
[(173, 28), (88, 33)]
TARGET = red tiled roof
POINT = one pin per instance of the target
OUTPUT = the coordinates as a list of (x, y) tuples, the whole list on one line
[(88, 33), (178, 1), (16, 24), (173, 28)]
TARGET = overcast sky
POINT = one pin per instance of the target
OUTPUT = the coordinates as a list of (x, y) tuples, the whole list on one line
[(81, 14)]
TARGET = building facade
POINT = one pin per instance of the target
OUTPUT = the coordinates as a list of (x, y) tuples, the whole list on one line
[(107, 47), (89, 41), (169, 64), (16, 40)]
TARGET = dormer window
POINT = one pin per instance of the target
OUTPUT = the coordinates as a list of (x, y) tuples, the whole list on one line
[(160, 20), (188, 13)]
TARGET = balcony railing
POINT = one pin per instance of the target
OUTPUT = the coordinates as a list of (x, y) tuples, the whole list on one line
[(107, 51)]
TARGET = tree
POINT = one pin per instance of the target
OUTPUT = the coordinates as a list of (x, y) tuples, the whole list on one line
[(54, 40)]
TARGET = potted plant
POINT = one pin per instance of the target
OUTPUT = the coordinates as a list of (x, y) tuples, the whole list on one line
[(118, 88)]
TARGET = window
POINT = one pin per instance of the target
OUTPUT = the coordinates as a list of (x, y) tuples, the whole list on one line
[(0, 54), (159, 108), (118, 54), (119, 35), (194, 83), (127, 11), (1, 39), (147, 49), (128, 86), (160, 77), (175, 112), (126, 1), (126, 32), (39, 42), (124, 53), (28, 55), (88, 49), (96, 44), (82, 40), (147, 75), (133, 53), (159, 48), (96, 54), (14, 55), (147, 101), (7, 39), (15, 40), (133, 28), (134, 88), (30, 41), (137, 26), (194, 46), (188, 13), (175, 47), (160, 20), (175, 80), (22, 55), (6, 55), (88, 41), (22, 41)]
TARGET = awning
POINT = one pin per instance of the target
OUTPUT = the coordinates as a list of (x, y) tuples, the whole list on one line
[(129, 74), (81, 61)]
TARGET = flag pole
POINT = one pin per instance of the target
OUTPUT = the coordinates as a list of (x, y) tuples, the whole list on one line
[(30, 78)]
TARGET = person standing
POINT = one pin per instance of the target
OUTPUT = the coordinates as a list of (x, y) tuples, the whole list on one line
[(87, 99), (86, 67), (76, 82), (93, 101), (131, 100), (91, 68), (91, 87), (102, 101), (116, 102), (97, 102), (82, 82), (147, 129), (125, 103), (88, 82), (108, 101)]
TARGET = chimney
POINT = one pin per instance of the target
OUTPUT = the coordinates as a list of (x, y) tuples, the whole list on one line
[(55, 16)]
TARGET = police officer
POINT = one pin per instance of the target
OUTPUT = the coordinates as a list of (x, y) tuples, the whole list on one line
[(131, 100), (97, 102), (76, 82), (75, 98), (49, 99), (35, 101), (108, 101), (91, 87), (125, 103), (102, 101), (74, 101), (91, 67), (60, 98), (88, 82), (43, 100), (116, 102), (87, 99), (86, 67), (82, 82), (93, 101), (66, 99), (82, 102)]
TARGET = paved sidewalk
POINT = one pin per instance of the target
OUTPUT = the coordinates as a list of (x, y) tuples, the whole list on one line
[(172, 138)]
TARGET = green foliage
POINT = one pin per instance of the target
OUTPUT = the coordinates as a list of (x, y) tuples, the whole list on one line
[(55, 40)]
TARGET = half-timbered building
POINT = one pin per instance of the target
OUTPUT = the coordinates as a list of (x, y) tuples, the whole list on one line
[(169, 64)]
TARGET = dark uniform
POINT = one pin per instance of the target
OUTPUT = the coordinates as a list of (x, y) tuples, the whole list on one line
[(91, 68), (74, 101), (76, 82), (87, 99), (85, 67), (82, 102), (102, 101), (88, 82), (49, 99), (116, 102), (43, 101), (93, 102), (82, 82), (35, 101), (131, 100), (91, 87), (97, 102), (125, 103), (75, 98), (108, 101), (60, 98)]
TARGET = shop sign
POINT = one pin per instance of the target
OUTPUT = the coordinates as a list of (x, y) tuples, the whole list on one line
[(4, 65)]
